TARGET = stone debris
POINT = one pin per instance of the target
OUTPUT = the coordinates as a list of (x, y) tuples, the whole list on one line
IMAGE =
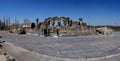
[(104, 31), (4, 56)]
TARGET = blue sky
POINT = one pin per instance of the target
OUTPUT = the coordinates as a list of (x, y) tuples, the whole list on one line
[(96, 12)]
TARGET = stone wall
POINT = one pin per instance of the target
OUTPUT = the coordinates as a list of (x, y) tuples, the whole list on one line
[(25, 55)]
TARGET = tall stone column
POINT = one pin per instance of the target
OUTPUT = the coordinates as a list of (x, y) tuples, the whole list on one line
[(37, 27), (81, 24), (71, 23), (59, 23), (64, 23), (53, 23), (37, 20), (40, 29)]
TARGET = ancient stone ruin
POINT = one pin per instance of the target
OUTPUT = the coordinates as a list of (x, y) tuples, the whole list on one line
[(62, 26), (56, 27)]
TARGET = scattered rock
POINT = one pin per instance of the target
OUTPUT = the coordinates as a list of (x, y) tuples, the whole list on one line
[(3, 58), (3, 55)]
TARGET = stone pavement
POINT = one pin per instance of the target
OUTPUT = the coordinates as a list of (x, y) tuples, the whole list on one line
[(67, 47)]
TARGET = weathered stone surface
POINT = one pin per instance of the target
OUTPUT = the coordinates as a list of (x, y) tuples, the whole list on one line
[(68, 47), (82, 48), (104, 31), (3, 58)]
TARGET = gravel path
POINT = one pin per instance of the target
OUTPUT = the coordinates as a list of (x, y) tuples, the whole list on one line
[(67, 47)]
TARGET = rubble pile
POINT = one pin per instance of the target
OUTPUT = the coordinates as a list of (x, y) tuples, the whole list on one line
[(4, 56)]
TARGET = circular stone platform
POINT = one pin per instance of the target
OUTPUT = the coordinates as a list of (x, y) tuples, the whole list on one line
[(68, 47)]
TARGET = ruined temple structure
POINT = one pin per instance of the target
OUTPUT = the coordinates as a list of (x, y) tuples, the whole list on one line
[(62, 26), (55, 26)]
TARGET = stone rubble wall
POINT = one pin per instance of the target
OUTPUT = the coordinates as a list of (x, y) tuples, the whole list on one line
[(25, 55)]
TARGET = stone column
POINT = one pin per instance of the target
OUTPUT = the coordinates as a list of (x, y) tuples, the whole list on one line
[(37, 27), (53, 23), (64, 23), (71, 23), (59, 23), (81, 24)]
